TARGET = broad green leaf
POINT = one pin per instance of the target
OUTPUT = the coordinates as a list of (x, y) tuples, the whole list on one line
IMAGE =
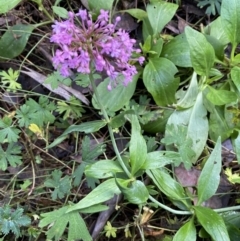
[(212, 223), (171, 188), (60, 11), (159, 124), (61, 185), (103, 169), (232, 217), (217, 46), (14, 40), (230, 16), (221, 97), (156, 48), (177, 50), (191, 94), (95, 209), (5, 6), (209, 178), (198, 127), (97, 5), (138, 147), (119, 120), (235, 75), (11, 156), (216, 30), (158, 77), (146, 29), (136, 13), (236, 145), (157, 159), (187, 232), (134, 191), (218, 122), (59, 220), (201, 52), (101, 193), (159, 14), (86, 127), (232, 223), (115, 99), (177, 137)]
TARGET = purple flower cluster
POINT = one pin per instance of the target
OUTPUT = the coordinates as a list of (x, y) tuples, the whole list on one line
[(84, 43)]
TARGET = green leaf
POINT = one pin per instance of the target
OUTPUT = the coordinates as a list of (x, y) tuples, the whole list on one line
[(201, 52), (156, 48), (231, 217), (115, 99), (97, 5), (101, 193), (86, 127), (8, 133), (174, 136), (12, 220), (187, 232), (216, 30), (212, 223), (198, 127), (134, 191), (6, 6), (218, 122), (138, 147), (230, 16), (41, 112), (189, 98), (59, 221), (103, 169), (177, 51), (158, 77), (236, 145), (235, 75), (209, 178), (217, 45), (12, 155), (136, 13), (157, 159), (14, 40), (171, 188), (221, 97), (61, 185), (158, 125), (60, 12), (159, 14)]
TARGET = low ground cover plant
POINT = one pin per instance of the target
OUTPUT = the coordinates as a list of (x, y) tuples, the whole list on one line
[(125, 136)]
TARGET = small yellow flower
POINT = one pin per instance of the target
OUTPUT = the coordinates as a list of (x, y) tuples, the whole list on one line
[(36, 130)]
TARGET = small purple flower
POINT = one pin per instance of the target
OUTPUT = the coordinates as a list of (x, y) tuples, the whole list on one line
[(83, 42)]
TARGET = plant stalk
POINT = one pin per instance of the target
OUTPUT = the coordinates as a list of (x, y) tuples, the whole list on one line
[(119, 158)]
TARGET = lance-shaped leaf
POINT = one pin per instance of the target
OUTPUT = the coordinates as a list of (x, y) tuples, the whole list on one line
[(209, 179), (212, 223), (187, 232), (14, 40), (101, 193), (158, 77), (159, 14), (230, 16), (201, 52), (138, 146)]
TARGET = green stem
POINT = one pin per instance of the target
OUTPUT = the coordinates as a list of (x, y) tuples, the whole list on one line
[(119, 158), (234, 46), (219, 210), (169, 209)]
